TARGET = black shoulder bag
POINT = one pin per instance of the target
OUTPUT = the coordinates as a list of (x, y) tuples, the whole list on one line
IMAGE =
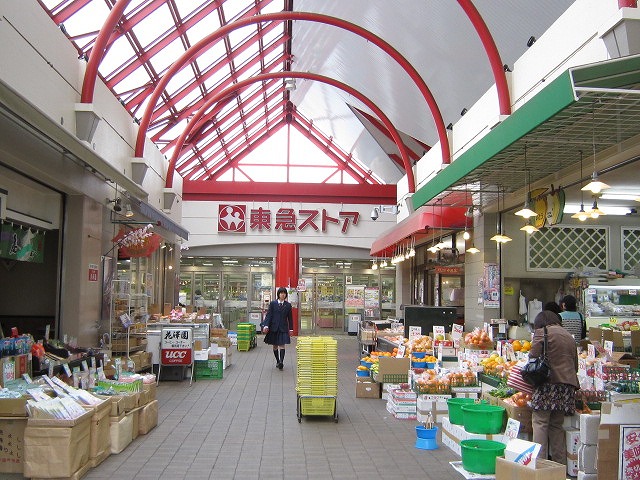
[(537, 371)]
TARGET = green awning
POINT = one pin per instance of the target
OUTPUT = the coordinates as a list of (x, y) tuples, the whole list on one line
[(555, 125)]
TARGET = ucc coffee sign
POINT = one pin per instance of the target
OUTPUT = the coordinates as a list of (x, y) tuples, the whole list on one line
[(176, 346)]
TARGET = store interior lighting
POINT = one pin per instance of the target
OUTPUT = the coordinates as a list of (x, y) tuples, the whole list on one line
[(595, 186), (581, 214), (529, 228), (500, 237), (525, 211), (595, 212)]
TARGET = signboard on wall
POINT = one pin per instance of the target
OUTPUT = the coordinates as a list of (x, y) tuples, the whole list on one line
[(491, 286), (234, 218)]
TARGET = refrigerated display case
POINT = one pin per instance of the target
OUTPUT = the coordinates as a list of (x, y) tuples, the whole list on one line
[(614, 302)]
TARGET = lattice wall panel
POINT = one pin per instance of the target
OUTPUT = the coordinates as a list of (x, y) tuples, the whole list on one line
[(567, 248), (630, 248)]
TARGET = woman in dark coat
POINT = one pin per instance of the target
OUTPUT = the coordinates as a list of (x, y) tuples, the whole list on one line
[(553, 400), (278, 325)]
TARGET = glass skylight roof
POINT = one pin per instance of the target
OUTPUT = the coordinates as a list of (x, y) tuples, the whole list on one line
[(153, 34)]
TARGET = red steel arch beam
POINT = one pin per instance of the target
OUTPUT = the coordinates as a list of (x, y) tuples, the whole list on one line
[(499, 75), (284, 16), (99, 50), (308, 76)]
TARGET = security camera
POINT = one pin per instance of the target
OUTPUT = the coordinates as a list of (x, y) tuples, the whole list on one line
[(117, 204), (374, 214)]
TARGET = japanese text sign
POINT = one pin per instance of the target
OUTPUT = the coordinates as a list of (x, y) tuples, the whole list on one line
[(176, 346)]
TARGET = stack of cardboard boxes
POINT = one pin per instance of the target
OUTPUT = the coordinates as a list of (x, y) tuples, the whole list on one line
[(221, 343), (618, 441)]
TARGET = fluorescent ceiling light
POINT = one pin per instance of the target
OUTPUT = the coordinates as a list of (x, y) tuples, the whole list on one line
[(620, 196), (607, 210)]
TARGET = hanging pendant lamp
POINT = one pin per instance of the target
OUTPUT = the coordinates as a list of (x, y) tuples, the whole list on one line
[(581, 214), (595, 186), (526, 212), (500, 237)]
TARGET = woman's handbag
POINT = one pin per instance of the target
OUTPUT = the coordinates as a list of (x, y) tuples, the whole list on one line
[(537, 371)]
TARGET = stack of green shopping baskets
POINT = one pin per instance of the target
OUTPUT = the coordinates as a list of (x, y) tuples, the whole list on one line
[(246, 336), (317, 376)]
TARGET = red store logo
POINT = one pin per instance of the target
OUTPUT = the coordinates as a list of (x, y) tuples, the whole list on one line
[(232, 218)]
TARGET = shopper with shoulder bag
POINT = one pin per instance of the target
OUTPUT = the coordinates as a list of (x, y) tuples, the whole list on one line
[(554, 399)]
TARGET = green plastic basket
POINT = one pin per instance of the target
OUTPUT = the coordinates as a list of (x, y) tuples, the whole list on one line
[(211, 369), (455, 409), (483, 418), (479, 456)]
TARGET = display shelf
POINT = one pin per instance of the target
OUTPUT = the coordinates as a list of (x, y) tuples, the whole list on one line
[(129, 317), (612, 302)]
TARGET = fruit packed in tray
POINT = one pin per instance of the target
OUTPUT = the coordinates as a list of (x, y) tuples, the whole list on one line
[(433, 383), (478, 339), (593, 395)]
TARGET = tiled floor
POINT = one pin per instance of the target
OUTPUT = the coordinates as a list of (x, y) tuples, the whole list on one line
[(245, 427)]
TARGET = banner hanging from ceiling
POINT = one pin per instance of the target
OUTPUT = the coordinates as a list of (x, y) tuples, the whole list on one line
[(21, 243)]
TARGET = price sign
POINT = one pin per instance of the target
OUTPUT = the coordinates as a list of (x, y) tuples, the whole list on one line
[(176, 346), (512, 429), (456, 331), (438, 332), (401, 350), (608, 347), (415, 332)]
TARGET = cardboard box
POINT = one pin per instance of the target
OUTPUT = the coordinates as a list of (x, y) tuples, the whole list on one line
[(619, 413), (218, 332), (573, 443), (521, 414), (135, 422), (99, 436), (221, 341), (588, 425), (367, 390), (148, 418), (635, 342), (624, 358), (608, 452), (151, 389), (587, 476), (587, 458), (393, 370), (13, 407), (522, 452), (121, 432), (12, 442), (545, 470), (56, 448)]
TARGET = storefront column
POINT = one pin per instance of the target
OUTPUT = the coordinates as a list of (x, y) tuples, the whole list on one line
[(287, 271), (475, 314), (81, 293)]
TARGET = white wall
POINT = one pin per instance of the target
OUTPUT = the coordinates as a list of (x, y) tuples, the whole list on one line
[(40, 64), (201, 220)]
